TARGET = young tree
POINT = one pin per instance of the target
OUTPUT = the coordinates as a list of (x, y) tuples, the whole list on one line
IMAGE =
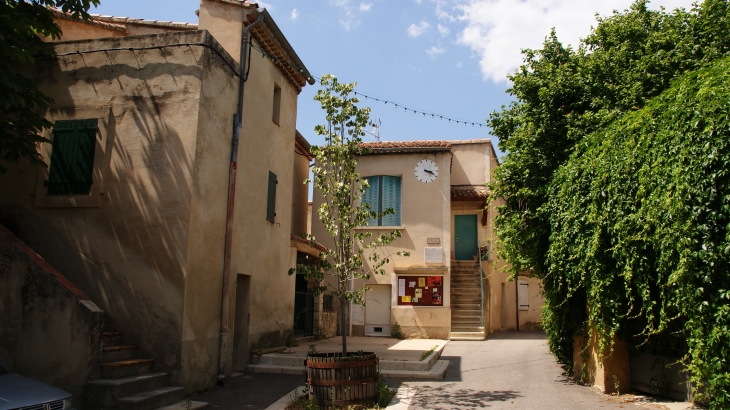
[(341, 212), (22, 23)]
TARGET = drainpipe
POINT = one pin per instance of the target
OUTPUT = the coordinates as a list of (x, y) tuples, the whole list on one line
[(517, 300), (237, 125)]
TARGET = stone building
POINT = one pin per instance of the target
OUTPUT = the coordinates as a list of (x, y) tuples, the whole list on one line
[(135, 208), (443, 289)]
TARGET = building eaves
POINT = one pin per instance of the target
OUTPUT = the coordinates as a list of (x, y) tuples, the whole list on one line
[(143, 22), (469, 193), (405, 147), (312, 248), (59, 14), (303, 145)]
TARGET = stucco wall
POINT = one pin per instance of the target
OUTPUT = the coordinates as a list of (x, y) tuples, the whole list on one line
[(77, 30), (38, 308), (130, 252), (300, 194), (425, 214)]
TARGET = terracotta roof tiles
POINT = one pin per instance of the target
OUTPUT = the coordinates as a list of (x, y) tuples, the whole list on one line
[(469, 192), (143, 22)]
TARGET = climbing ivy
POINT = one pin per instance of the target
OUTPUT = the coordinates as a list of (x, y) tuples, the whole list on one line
[(640, 228), (587, 175)]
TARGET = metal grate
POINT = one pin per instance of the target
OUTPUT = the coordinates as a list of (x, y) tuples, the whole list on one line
[(53, 405)]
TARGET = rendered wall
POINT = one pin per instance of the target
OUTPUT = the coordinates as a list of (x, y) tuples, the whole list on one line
[(38, 308), (127, 248), (300, 194), (425, 214), (76, 30)]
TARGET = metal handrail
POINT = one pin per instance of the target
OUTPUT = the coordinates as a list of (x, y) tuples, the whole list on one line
[(481, 285)]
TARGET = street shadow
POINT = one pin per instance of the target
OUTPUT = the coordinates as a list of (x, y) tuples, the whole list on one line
[(521, 335), (443, 397)]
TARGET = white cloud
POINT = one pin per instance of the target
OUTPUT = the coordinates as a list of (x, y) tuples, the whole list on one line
[(416, 30), (458, 64), (418, 2), (435, 50), (294, 14), (443, 30), (349, 19), (497, 30)]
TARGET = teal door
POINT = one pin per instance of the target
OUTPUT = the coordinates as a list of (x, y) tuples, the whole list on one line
[(465, 237)]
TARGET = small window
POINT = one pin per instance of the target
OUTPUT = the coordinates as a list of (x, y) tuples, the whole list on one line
[(72, 157), (327, 303), (522, 294), (271, 198), (277, 104), (384, 192)]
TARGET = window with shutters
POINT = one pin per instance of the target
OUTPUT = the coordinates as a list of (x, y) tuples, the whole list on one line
[(384, 193), (72, 157), (271, 198)]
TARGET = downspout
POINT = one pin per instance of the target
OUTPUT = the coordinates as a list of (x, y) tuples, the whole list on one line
[(237, 126), (517, 300)]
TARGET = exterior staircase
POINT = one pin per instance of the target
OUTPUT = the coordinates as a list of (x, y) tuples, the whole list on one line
[(128, 382), (466, 302)]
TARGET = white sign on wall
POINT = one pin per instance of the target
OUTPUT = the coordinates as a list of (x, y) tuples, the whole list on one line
[(433, 255)]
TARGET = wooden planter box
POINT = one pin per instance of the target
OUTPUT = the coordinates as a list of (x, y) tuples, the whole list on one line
[(337, 381)]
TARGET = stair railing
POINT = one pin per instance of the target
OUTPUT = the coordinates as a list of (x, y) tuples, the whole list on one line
[(481, 286)]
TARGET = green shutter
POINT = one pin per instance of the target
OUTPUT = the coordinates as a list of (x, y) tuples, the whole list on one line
[(271, 200), (391, 199), (370, 197), (72, 157)]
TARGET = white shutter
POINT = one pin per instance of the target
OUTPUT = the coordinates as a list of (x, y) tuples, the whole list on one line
[(522, 294)]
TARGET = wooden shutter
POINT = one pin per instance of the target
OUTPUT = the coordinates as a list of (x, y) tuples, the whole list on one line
[(391, 199), (522, 294), (72, 157), (371, 196), (271, 199)]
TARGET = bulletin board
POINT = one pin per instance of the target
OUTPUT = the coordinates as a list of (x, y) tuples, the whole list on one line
[(420, 290)]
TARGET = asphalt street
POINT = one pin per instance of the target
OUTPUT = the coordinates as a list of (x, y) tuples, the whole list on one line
[(510, 370)]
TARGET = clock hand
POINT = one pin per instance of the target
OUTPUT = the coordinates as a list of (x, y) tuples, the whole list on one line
[(430, 172)]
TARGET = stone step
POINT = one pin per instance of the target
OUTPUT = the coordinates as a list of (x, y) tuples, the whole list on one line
[(111, 338), (126, 368), (465, 288), (117, 353), (435, 372), (465, 312), (467, 328), (461, 316), (467, 336), (185, 405), (152, 399), (465, 299), (105, 392)]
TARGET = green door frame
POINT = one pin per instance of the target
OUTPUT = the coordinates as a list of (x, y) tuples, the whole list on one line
[(466, 241)]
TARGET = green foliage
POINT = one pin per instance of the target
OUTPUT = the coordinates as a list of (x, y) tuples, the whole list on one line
[(425, 355), (612, 184), (21, 104), (384, 393), (341, 212), (395, 332), (640, 221)]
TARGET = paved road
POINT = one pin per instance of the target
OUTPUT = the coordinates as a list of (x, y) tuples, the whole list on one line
[(511, 370)]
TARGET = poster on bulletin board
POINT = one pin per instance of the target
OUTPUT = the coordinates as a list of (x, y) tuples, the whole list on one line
[(420, 290)]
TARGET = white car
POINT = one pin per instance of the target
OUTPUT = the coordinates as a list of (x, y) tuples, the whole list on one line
[(21, 393)]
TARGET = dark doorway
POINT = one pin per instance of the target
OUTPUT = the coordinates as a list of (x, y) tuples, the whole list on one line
[(240, 326), (465, 237), (303, 302)]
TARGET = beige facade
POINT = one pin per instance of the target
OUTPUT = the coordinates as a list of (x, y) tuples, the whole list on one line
[(427, 224), (147, 243)]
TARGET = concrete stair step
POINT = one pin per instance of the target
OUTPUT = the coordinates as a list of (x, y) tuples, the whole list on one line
[(126, 368), (467, 328), (117, 353), (111, 338), (465, 317), (106, 392), (276, 369), (467, 336), (465, 312), (152, 399), (185, 405)]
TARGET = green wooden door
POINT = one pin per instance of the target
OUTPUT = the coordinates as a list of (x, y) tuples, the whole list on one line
[(465, 237)]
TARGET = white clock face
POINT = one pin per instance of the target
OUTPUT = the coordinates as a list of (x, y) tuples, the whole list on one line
[(426, 171)]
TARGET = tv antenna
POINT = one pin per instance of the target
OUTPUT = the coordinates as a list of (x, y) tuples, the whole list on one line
[(374, 130)]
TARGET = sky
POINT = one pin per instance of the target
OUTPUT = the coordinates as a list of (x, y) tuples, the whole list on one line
[(449, 58)]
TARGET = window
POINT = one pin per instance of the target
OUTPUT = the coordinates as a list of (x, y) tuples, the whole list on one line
[(277, 104), (384, 193), (327, 303), (271, 198), (72, 157), (522, 294)]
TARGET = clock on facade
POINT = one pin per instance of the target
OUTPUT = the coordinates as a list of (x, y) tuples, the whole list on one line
[(426, 171)]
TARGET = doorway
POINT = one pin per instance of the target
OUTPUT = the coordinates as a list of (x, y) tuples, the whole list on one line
[(241, 321), (465, 237), (377, 310), (303, 303)]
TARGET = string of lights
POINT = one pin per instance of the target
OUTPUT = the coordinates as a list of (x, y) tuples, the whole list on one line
[(368, 96)]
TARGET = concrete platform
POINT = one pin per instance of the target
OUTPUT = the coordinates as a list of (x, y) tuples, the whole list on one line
[(398, 358)]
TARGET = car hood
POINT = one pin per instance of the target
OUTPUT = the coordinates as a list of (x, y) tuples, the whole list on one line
[(18, 391)]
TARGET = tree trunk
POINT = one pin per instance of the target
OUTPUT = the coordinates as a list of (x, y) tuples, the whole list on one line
[(343, 331)]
